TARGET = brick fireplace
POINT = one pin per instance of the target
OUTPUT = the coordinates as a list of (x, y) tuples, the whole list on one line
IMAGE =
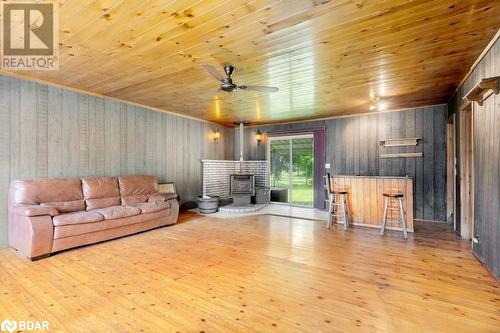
[(217, 175)]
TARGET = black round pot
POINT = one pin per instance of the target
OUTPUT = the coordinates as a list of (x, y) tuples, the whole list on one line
[(208, 205)]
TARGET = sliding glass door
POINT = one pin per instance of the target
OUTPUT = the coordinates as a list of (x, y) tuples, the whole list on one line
[(291, 169)]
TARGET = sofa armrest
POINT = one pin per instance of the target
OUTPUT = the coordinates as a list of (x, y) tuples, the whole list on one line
[(32, 236), (158, 196), (34, 210)]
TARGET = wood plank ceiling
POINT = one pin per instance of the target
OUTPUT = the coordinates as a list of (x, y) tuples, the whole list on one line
[(328, 58)]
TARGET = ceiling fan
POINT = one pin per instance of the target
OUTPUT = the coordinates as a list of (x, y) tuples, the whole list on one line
[(227, 82)]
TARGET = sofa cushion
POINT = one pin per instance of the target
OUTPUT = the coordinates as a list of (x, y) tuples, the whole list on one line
[(46, 190), (137, 185), (102, 203), (66, 206), (100, 192), (77, 218), (134, 199), (84, 228), (161, 197), (100, 187), (151, 207), (117, 212)]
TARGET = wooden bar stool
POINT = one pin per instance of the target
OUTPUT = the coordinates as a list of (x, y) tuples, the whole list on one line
[(388, 206), (336, 198)]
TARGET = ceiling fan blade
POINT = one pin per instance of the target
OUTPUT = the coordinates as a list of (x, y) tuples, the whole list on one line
[(259, 88), (210, 70)]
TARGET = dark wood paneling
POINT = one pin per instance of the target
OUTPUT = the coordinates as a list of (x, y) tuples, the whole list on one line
[(353, 149), (428, 159), (47, 131), (486, 160), (419, 168), (439, 166), (486, 182)]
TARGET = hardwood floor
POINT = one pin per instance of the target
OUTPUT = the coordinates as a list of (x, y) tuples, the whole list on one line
[(256, 274)]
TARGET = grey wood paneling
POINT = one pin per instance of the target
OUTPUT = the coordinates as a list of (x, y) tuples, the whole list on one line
[(46, 131), (486, 183), (5, 155), (352, 148), (54, 154), (486, 150)]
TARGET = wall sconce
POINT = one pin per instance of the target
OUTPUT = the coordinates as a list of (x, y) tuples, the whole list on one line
[(258, 136), (216, 135)]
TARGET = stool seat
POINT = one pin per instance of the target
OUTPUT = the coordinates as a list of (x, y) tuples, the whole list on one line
[(399, 197), (339, 192), (393, 195)]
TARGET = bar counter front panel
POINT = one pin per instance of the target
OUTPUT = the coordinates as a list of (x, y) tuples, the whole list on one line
[(366, 201)]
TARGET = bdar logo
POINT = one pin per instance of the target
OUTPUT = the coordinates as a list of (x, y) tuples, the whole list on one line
[(23, 325), (8, 326)]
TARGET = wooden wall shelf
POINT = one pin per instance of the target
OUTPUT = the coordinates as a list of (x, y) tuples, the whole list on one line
[(401, 155), (476, 94), (400, 142)]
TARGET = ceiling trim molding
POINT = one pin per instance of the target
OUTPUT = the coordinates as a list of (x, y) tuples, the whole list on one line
[(279, 132), (478, 60), (41, 81), (344, 116)]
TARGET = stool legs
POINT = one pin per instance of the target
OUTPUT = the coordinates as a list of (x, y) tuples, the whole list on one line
[(344, 212), (403, 221), (331, 210), (384, 218)]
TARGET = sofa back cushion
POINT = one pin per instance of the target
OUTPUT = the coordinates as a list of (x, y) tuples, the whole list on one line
[(100, 192), (136, 189), (64, 194)]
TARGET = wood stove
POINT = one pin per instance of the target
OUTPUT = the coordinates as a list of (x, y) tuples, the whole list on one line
[(242, 189)]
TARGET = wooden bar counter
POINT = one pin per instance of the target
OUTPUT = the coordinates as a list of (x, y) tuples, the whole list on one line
[(366, 202)]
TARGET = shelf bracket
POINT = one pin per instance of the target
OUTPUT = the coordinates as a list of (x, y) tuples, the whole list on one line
[(477, 93)]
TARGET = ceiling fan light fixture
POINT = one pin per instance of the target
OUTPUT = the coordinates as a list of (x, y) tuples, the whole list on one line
[(227, 84)]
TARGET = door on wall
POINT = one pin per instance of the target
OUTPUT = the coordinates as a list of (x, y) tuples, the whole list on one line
[(465, 176), (291, 160), (486, 237), (451, 173)]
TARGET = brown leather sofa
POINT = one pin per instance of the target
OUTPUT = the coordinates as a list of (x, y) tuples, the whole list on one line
[(49, 215)]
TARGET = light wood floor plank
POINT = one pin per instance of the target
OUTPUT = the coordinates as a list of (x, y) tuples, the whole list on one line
[(257, 274)]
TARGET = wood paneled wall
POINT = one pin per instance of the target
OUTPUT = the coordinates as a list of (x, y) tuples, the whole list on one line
[(486, 151), (47, 131), (487, 182), (353, 148)]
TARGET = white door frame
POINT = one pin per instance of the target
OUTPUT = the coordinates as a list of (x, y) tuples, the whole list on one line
[(268, 158)]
